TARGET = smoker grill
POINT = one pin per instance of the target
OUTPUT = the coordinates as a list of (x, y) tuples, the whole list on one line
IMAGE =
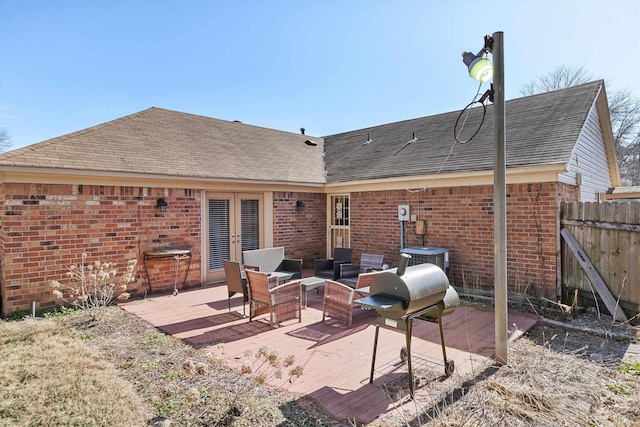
[(417, 292)]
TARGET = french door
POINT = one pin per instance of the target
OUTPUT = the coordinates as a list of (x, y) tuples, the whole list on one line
[(338, 230), (234, 224)]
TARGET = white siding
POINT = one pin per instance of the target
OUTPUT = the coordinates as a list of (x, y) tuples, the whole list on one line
[(589, 160)]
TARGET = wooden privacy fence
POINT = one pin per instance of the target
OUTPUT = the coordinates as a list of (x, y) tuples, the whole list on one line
[(608, 236)]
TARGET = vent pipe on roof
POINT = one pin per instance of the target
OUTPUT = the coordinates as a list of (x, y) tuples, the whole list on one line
[(413, 139), (302, 131)]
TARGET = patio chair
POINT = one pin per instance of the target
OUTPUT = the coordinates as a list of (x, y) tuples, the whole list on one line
[(338, 302), (361, 287), (368, 263), (235, 283), (330, 268), (282, 302)]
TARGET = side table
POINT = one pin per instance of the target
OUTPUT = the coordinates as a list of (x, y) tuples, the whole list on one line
[(309, 283), (177, 255)]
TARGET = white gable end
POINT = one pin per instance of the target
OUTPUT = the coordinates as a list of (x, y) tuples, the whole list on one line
[(588, 162)]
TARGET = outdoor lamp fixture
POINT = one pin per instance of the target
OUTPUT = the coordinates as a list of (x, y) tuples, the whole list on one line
[(299, 204), (480, 69), (162, 205)]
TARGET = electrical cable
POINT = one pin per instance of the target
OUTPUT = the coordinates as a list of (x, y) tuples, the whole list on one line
[(474, 101), (456, 140)]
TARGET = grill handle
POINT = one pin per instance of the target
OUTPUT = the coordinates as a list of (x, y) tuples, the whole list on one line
[(402, 265)]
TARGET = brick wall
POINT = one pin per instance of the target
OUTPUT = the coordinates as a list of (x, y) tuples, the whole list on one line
[(302, 231), (2, 250), (461, 220), (47, 227)]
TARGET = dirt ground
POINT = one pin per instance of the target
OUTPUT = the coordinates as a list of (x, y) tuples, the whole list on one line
[(597, 339)]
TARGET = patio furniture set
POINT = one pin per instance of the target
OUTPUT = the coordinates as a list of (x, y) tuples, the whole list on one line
[(274, 285), (397, 295)]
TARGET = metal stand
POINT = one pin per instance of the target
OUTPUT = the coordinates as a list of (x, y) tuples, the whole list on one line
[(177, 256), (406, 324)]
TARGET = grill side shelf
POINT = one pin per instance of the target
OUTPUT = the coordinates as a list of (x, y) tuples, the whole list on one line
[(381, 303)]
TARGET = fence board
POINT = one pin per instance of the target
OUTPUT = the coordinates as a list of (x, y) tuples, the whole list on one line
[(609, 234), (595, 279)]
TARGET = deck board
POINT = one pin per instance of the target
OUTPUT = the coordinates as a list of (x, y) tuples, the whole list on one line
[(336, 359)]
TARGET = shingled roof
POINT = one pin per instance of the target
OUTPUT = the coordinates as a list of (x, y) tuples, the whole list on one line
[(169, 143), (541, 130)]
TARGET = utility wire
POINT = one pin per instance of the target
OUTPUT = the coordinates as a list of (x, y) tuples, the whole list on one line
[(456, 140)]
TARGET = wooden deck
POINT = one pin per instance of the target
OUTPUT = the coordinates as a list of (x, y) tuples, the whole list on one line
[(336, 359)]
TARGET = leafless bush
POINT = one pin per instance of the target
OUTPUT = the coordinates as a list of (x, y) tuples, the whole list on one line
[(266, 366), (92, 286)]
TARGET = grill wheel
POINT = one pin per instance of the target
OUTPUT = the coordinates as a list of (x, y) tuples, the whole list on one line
[(449, 365)]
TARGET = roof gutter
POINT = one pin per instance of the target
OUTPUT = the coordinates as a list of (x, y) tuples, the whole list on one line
[(515, 175), (69, 176)]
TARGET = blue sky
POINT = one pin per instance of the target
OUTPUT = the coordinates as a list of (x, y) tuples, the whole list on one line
[(329, 66)]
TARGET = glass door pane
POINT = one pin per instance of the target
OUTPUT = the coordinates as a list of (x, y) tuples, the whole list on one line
[(219, 232), (234, 223), (339, 232), (250, 223)]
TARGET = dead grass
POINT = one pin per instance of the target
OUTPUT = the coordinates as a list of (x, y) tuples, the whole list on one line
[(123, 371), (49, 378), (551, 380)]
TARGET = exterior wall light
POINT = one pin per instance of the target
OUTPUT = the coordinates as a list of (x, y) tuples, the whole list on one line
[(162, 205), (300, 205)]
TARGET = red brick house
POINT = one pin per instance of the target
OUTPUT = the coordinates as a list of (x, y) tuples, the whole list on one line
[(229, 186)]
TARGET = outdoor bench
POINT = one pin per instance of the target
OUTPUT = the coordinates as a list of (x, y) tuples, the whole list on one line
[(272, 260)]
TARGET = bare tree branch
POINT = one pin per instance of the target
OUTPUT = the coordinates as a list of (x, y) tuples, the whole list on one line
[(560, 78), (5, 140), (625, 116)]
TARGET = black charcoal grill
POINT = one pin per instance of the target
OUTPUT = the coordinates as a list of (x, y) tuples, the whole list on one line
[(418, 292)]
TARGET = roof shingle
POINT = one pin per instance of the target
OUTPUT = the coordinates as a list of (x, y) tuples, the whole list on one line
[(164, 142), (541, 130)]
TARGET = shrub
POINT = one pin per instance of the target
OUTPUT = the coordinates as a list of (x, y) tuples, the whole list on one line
[(92, 286)]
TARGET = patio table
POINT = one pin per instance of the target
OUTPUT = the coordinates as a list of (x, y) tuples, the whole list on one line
[(309, 283), (282, 277)]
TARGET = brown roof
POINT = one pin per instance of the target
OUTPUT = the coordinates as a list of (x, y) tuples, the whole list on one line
[(542, 129), (164, 142)]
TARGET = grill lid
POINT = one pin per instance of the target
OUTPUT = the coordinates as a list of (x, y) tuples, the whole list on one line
[(408, 290)]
